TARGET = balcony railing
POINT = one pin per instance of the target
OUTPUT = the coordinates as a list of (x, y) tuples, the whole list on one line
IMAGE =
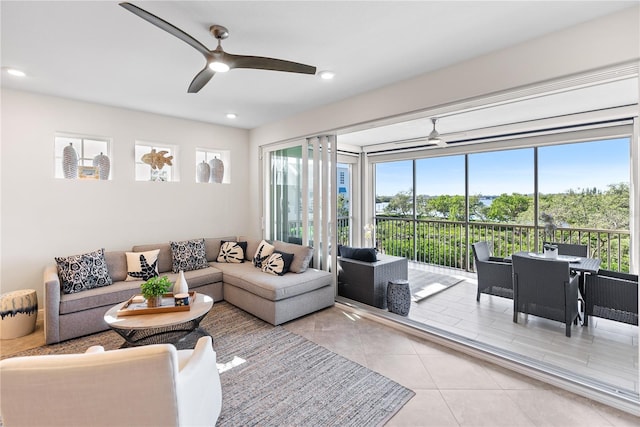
[(343, 229), (447, 243)]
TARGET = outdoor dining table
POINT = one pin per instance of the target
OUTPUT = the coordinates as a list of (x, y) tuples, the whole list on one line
[(576, 263), (581, 265)]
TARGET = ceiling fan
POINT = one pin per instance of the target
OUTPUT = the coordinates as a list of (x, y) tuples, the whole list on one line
[(218, 60)]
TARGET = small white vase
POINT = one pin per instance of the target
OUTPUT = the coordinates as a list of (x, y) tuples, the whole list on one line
[(203, 172), (217, 170), (70, 162), (103, 164), (181, 286)]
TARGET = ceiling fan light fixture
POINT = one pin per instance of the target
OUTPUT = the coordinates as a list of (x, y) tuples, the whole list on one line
[(219, 67)]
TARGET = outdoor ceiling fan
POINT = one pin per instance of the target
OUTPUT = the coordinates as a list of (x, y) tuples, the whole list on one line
[(218, 60), (434, 136)]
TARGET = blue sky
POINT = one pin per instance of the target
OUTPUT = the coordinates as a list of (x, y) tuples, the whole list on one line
[(561, 167)]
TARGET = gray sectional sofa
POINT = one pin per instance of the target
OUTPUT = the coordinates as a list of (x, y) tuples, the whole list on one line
[(275, 299)]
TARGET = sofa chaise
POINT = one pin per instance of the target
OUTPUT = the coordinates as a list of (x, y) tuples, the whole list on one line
[(273, 298)]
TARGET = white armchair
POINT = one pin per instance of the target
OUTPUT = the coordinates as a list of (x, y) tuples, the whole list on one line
[(154, 385)]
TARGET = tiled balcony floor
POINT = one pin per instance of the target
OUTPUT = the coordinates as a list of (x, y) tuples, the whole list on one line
[(605, 351)]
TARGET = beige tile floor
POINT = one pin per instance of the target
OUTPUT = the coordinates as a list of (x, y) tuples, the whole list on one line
[(452, 389)]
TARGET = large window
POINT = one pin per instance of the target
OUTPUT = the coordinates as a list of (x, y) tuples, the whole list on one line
[(394, 188), (440, 188), (585, 186), (501, 185), (582, 195)]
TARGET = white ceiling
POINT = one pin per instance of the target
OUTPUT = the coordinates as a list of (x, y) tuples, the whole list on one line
[(454, 125), (99, 52)]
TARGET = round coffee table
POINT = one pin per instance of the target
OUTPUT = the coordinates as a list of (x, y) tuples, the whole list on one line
[(177, 327)]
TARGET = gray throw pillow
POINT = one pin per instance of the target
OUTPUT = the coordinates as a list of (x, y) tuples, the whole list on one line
[(301, 255)]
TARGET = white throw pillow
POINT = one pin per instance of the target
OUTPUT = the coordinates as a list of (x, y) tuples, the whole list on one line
[(142, 265), (232, 252), (262, 253)]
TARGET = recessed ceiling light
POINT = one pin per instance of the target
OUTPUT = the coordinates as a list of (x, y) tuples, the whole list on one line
[(15, 72), (327, 75), (231, 115)]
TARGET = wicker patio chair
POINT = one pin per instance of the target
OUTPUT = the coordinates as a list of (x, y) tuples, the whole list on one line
[(612, 295), (494, 274), (570, 249), (545, 288)]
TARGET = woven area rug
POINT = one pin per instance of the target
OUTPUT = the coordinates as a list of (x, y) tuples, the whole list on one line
[(425, 284), (278, 378)]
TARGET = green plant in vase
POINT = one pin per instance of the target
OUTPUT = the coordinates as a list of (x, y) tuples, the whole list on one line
[(154, 288)]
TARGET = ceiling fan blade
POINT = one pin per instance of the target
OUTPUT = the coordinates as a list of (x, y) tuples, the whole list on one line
[(171, 29), (201, 79), (262, 63)]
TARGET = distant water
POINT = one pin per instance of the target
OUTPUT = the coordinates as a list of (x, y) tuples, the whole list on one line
[(487, 201)]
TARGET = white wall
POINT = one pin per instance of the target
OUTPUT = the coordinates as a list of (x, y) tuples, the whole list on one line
[(600, 43), (43, 217)]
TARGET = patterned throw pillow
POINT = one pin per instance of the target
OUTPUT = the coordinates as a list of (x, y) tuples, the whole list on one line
[(142, 265), (278, 263), (232, 252), (188, 255), (81, 272), (262, 253)]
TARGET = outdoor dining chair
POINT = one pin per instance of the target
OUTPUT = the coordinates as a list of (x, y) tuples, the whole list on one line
[(545, 288), (570, 249), (494, 274), (612, 295)]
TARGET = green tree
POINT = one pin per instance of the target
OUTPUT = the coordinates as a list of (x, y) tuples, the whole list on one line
[(422, 205), (453, 207), (507, 207), (401, 204), (342, 206), (448, 207), (589, 208)]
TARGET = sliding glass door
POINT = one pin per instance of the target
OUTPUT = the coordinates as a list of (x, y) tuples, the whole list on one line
[(286, 195), (301, 194)]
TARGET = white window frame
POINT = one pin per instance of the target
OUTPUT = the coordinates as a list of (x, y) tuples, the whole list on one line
[(208, 154), (62, 139)]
